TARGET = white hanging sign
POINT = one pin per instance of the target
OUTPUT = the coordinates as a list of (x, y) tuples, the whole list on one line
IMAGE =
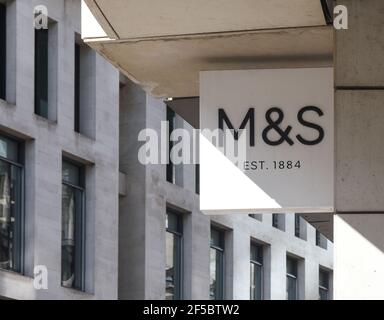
[(285, 120)]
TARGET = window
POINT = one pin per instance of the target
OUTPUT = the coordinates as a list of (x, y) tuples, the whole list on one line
[(297, 225), (173, 271), (174, 171), (77, 88), (258, 217), (84, 89), (323, 284), (46, 71), (197, 178), (72, 232), (3, 50), (217, 265), (171, 174), (256, 272), (275, 220), (292, 284), (11, 186), (41, 72), (321, 240), (278, 221)]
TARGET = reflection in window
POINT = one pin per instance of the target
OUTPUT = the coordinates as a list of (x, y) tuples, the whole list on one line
[(217, 265), (256, 271), (173, 242), (292, 286), (72, 253), (10, 205)]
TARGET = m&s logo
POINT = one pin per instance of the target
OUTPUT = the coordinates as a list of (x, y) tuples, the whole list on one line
[(274, 118)]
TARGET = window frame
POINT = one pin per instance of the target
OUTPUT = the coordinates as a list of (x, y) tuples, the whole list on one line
[(20, 226), (219, 273), (297, 226), (321, 240), (278, 221), (82, 228), (256, 216), (275, 220), (42, 77), (77, 74), (178, 234), (170, 167), (197, 179), (318, 236), (293, 276), (321, 287), (258, 264)]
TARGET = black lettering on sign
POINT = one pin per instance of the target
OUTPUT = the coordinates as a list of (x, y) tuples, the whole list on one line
[(274, 125), (310, 125), (250, 116)]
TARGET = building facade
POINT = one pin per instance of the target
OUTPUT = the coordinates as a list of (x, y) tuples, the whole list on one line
[(181, 253), (77, 206), (58, 163)]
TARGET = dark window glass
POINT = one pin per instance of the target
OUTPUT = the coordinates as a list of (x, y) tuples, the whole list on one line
[(258, 217), (77, 88), (73, 174), (217, 238), (297, 225), (323, 285), (217, 265), (9, 149), (170, 166), (256, 272), (72, 234), (173, 241), (292, 287), (3, 50), (197, 179), (278, 221), (275, 220), (11, 181), (257, 253), (84, 89), (41, 72), (321, 240)]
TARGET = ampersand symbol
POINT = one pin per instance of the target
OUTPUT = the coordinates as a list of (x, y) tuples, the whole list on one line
[(274, 125)]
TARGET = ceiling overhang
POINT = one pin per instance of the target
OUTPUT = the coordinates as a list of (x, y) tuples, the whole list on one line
[(162, 45)]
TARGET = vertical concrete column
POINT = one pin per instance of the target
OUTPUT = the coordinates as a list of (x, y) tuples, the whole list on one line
[(241, 263), (155, 210), (278, 272), (200, 257), (290, 223), (132, 207), (311, 279), (359, 113)]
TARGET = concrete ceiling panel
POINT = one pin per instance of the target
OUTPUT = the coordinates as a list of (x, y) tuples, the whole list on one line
[(149, 18)]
